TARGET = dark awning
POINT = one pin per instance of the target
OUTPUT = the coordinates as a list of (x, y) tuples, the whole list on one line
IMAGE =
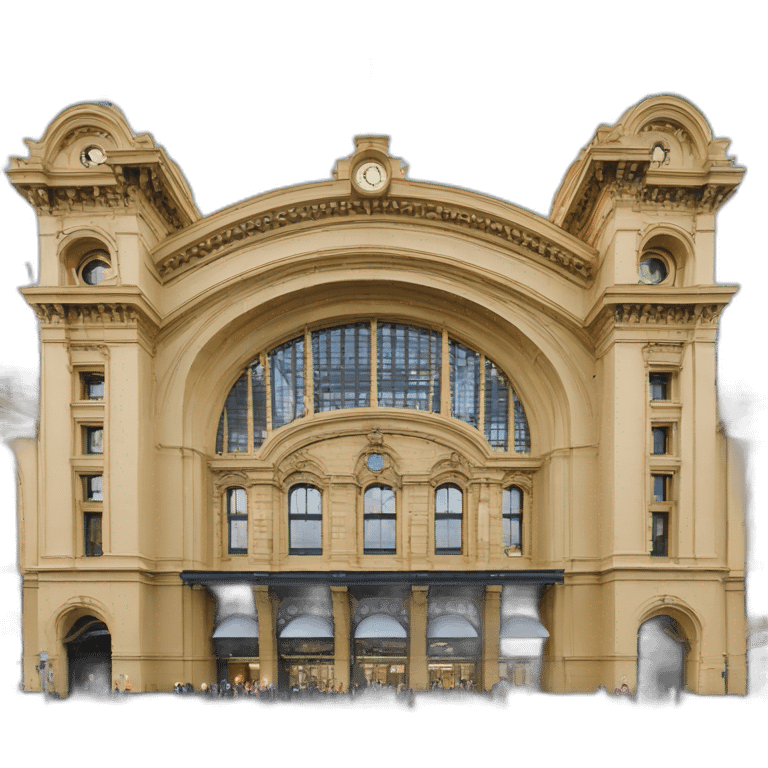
[(376, 578)]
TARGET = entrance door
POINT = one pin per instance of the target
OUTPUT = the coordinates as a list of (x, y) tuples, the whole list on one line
[(89, 656), (661, 655)]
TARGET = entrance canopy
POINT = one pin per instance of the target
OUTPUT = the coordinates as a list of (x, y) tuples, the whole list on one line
[(308, 627), (523, 626), (379, 625), (237, 626), (450, 626)]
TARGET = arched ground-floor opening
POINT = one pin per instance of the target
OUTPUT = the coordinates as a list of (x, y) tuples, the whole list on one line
[(662, 650), (89, 656)]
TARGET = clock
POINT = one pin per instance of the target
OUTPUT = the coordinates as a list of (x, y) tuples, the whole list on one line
[(371, 176)]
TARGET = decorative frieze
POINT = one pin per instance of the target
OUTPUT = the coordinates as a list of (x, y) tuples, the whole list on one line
[(386, 207), (113, 314), (131, 184), (666, 314)]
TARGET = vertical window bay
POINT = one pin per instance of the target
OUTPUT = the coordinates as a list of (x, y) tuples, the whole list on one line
[(237, 416), (465, 383), (286, 365), (496, 407), (409, 367), (341, 358), (259, 394), (522, 434)]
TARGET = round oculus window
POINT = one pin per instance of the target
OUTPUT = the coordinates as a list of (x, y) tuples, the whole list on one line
[(371, 176), (95, 271), (93, 155), (375, 462), (653, 271)]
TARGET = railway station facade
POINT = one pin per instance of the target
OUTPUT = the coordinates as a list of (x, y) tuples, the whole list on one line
[(375, 430)]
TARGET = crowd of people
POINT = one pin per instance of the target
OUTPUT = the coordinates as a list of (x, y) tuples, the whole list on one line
[(370, 692)]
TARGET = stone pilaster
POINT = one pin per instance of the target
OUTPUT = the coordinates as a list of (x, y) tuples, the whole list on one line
[(267, 639), (489, 672), (418, 679), (341, 647)]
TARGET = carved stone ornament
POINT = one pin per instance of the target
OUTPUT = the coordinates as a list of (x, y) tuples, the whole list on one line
[(375, 437), (132, 184), (387, 208), (663, 352), (666, 314), (114, 314)]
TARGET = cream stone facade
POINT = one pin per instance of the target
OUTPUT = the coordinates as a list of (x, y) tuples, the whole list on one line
[(378, 429)]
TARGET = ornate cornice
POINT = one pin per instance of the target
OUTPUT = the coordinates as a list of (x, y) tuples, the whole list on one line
[(130, 185), (666, 314), (342, 209), (627, 181)]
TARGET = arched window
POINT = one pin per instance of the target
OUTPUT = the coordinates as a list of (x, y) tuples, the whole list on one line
[(449, 514), (237, 521), (334, 368), (512, 519), (380, 520), (305, 520)]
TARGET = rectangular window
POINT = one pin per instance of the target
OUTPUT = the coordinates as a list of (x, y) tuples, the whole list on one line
[(380, 520), (409, 365), (660, 534), (305, 518), (449, 512), (237, 520), (660, 440), (92, 532), (512, 519), (465, 383), (286, 365), (93, 488), (341, 358), (92, 386), (93, 439), (660, 487), (660, 386)]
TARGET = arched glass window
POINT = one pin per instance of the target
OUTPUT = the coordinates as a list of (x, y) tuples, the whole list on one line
[(237, 521), (512, 519), (380, 520), (449, 514), (305, 520), (409, 373)]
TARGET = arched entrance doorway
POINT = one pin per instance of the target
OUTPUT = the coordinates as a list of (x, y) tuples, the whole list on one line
[(380, 652), (236, 642), (453, 648), (89, 656), (521, 645), (662, 650)]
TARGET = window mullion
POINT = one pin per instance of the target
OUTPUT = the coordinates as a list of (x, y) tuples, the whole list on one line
[(445, 376), (268, 388), (249, 391), (373, 364), (309, 374), (481, 398)]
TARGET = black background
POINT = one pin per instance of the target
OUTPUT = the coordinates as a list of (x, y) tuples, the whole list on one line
[(506, 132)]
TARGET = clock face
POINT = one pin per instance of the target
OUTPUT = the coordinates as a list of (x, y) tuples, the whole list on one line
[(371, 176), (653, 271)]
